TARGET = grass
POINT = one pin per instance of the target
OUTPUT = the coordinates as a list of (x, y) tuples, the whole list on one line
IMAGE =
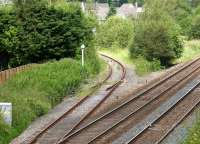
[(34, 92), (194, 134), (141, 65), (191, 50)]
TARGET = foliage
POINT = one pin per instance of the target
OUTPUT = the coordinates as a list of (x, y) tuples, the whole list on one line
[(195, 27), (181, 11), (140, 2), (140, 64), (112, 10), (156, 35), (191, 50), (193, 137), (195, 3), (116, 31), (35, 91), (33, 32)]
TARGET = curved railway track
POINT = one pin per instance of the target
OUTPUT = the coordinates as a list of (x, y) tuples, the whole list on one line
[(109, 90), (133, 111)]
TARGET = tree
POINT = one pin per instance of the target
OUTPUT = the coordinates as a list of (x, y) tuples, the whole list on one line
[(116, 31), (195, 3), (140, 2), (40, 32), (195, 28), (112, 10), (156, 35)]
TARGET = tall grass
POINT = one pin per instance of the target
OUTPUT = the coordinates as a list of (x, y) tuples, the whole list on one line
[(34, 92), (194, 134), (191, 50)]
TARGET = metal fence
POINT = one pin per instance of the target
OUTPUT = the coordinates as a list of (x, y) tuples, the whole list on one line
[(6, 74)]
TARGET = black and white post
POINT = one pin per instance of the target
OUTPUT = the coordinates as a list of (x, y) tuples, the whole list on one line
[(82, 54)]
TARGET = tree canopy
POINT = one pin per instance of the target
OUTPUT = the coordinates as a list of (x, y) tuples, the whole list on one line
[(156, 35), (35, 32)]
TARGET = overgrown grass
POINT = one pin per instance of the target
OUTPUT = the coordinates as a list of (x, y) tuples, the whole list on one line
[(34, 92), (194, 134), (191, 50), (141, 65)]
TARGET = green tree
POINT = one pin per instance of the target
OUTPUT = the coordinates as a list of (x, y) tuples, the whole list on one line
[(112, 10), (195, 28), (195, 3), (39, 32), (140, 2), (116, 31), (156, 35)]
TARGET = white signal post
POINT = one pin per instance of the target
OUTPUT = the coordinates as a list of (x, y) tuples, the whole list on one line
[(82, 54)]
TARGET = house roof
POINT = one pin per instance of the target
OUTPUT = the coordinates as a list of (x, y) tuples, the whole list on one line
[(129, 10), (102, 10)]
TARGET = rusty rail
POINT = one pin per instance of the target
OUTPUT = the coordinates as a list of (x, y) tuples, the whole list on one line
[(31, 141)]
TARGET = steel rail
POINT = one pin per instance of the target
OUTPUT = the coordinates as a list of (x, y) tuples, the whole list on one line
[(111, 88), (162, 112), (177, 123), (33, 140), (127, 102), (139, 109)]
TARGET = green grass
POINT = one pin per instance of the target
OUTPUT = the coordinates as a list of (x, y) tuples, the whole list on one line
[(141, 65), (191, 50), (194, 134), (34, 92)]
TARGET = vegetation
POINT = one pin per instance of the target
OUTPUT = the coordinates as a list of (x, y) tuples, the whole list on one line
[(191, 50), (115, 32), (156, 35), (140, 65), (34, 32), (193, 137), (34, 92), (195, 26)]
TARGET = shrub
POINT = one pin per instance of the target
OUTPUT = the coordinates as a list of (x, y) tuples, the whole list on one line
[(33, 32), (156, 35), (115, 31), (181, 12), (195, 28)]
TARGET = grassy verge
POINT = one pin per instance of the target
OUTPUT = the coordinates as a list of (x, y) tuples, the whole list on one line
[(194, 134), (34, 92), (141, 65), (191, 50)]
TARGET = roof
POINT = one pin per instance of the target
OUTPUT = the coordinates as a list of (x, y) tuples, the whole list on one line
[(127, 10), (102, 10)]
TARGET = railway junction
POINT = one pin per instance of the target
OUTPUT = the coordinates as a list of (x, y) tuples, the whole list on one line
[(146, 114)]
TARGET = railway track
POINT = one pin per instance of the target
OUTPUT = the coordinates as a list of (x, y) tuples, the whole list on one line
[(119, 120), (108, 90), (165, 123)]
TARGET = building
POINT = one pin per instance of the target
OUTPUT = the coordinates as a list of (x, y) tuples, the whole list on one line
[(129, 10)]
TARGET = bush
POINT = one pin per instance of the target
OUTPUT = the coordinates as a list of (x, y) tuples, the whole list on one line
[(34, 92), (142, 66), (181, 12), (116, 31), (195, 28), (156, 35), (33, 32)]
